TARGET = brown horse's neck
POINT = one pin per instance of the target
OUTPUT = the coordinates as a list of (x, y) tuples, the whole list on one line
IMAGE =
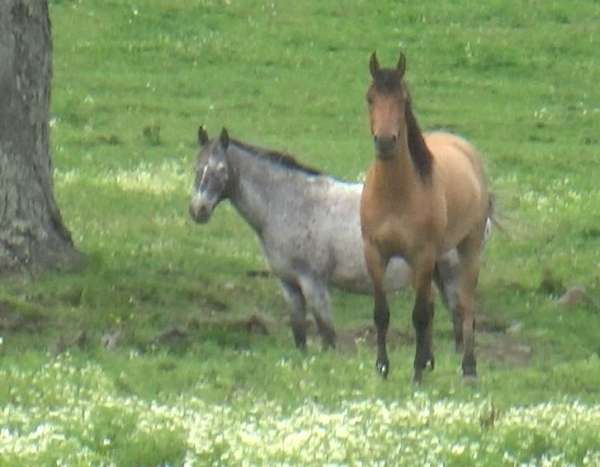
[(397, 175)]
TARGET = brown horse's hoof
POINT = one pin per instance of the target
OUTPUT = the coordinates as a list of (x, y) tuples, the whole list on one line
[(469, 367), (430, 363), (327, 346), (383, 368)]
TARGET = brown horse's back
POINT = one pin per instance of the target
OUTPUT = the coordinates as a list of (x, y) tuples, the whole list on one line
[(460, 172), (439, 142)]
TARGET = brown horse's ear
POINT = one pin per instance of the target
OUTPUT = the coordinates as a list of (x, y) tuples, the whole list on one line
[(374, 65), (202, 136), (401, 66), (224, 138)]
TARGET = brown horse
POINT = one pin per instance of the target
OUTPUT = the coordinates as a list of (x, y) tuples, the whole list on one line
[(424, 195)]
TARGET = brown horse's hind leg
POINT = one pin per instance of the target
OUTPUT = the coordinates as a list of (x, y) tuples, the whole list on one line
[(469, 251), (423, 317), (381, 313), (467, 305)]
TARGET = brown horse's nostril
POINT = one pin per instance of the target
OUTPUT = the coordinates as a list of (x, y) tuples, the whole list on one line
[(385, 145)]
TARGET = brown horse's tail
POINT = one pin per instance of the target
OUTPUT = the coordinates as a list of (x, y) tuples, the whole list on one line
[(493, 220)]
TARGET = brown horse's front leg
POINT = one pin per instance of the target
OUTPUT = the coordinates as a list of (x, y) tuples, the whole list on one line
[(376, 266), (423, 319), (381, 316)]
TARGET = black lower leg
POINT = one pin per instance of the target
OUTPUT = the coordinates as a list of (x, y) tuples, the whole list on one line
[(327, 333), (469, 365), (299, 330), (458, 333), (423, 324), (468, 361), (382, 319)]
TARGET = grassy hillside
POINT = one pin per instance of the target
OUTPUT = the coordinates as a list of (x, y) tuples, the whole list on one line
[(149, 356)]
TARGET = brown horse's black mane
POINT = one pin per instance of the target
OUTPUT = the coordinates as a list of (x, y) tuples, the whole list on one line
[(279, 158), (419, 152)]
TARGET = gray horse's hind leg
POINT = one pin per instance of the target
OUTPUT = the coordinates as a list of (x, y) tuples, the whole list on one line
[(317, 300), (294, 297), (446, 275)]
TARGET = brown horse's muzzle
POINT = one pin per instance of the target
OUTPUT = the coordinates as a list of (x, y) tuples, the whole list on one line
[(386, 146)]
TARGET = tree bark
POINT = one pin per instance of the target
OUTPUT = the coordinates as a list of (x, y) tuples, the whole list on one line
[(32, 234)]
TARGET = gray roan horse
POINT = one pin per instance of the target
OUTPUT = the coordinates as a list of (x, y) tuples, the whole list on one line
[(308, 224)]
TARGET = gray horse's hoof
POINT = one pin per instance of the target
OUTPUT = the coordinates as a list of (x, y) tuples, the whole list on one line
[(470, 380)]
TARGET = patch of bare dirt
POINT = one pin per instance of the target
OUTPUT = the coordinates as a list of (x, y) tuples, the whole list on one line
[(13, 320), (64, 343), (504, 349), (577, 295), (495, 340), (348, 340), (254, 324)]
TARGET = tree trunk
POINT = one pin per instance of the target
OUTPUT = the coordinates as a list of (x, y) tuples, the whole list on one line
[(32, 234)]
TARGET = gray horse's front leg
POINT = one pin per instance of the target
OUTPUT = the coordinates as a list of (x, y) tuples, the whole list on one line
[(293, 295), (317, 299)]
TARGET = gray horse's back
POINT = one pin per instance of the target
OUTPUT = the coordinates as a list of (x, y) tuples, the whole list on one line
[(341, 222)]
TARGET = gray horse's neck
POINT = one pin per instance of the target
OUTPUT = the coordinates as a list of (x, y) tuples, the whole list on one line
[(261, 187)]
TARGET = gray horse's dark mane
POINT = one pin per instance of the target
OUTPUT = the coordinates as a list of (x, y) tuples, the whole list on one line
[(277, 157)]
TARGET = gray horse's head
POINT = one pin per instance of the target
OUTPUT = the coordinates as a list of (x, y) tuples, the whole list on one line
[(212, 175)]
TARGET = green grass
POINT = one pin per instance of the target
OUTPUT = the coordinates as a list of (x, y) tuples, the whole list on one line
[(183, 380)]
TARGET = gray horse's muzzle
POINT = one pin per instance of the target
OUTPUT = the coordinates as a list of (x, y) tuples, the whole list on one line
[(200, 210)]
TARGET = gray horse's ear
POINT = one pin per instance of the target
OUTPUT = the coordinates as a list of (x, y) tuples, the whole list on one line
[(202, 136), (374, 65), (224, 138), (401, 66)]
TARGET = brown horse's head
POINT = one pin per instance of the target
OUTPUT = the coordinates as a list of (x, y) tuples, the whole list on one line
[(387, 98)]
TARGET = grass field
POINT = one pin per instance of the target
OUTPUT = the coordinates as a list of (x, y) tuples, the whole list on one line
[(147, 358)]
